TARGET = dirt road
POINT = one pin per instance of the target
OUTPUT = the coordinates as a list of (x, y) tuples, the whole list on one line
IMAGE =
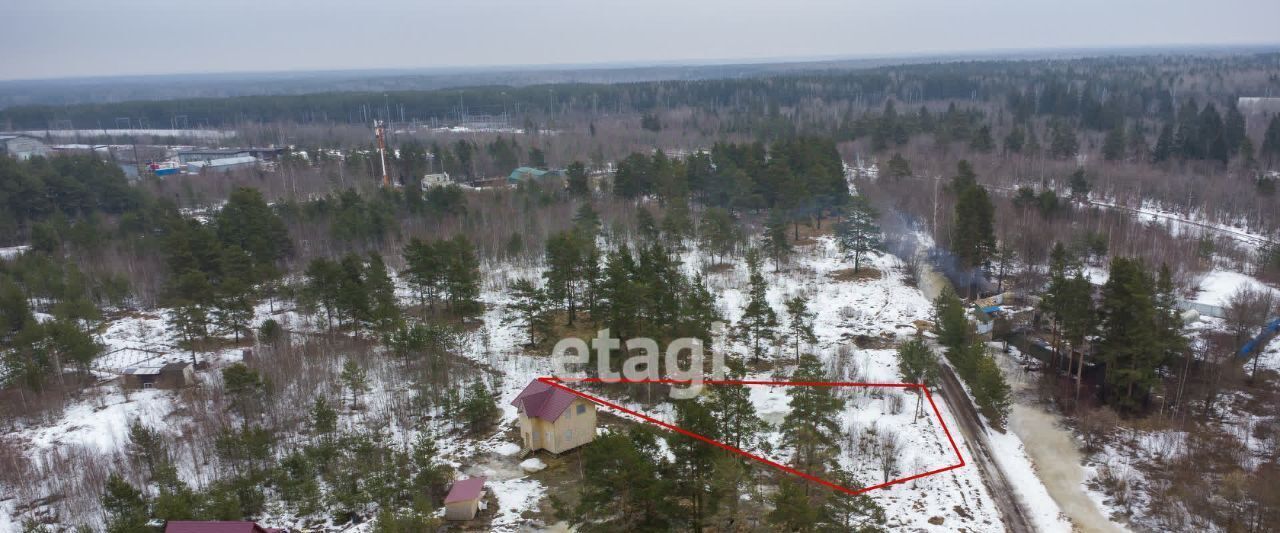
[(1015, 518)]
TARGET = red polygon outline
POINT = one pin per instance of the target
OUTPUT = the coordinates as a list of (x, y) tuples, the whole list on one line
[(559, 383)]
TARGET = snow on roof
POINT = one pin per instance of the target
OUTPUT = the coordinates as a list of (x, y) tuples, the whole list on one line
[(466, 489), (541, 400), (143, 371), (225, 161)]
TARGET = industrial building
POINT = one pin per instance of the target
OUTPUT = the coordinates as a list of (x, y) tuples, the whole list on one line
[(21, 146)]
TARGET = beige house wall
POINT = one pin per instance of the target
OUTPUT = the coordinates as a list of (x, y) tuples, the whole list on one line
[(463, 510), (571, 430)]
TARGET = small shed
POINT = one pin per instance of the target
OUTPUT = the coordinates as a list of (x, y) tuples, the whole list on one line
[(212, 526), (167, 376), (463, 500)]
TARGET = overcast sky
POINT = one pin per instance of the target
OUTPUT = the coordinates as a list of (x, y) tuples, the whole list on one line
[(60, 38)]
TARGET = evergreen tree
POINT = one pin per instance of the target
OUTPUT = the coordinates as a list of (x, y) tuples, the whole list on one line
[(462, 276), (736, 421), (694, 462), (324, 420), (384, 310), (1270, 147), (812, 426), (857, 233), (917, 363), (800, 323), (246, 222), (530, 308), (576, 176), (1164, 144), (1128, 337), (953, 327), (759, 322), (982, 141), (1064, 143), (1113, 145), (1015, 140), (990, 390), (322, 279), (1233, 130), (569, 270), (776, 246), (792, 508), (125, 506), (478, 409), (355, 378), (624, 491), (973, 233), (898, 167)]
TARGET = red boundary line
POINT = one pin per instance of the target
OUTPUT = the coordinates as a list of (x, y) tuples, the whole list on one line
[(558, 383)]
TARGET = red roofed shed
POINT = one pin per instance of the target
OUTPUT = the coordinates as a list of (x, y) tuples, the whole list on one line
[(463, 500)]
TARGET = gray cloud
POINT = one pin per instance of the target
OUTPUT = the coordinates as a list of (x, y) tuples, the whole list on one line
[(55, 38)]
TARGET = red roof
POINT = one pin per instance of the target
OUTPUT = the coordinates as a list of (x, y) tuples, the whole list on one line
[(181, 526), (463, 490), (543, 401)]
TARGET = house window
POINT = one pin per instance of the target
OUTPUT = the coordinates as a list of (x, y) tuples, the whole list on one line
[(582, 408), (568, 435)]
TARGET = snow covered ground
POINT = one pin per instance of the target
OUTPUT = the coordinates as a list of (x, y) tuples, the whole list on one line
[(880, 309)]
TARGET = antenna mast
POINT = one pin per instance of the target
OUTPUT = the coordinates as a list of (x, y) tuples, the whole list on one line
[(380, 132)]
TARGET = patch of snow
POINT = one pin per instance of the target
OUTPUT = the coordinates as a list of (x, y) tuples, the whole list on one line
[(533, 464)]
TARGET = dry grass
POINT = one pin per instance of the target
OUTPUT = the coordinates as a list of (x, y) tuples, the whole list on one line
[(863, 273)]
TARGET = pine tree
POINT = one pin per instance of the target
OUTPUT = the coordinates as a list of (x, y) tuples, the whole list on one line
[(812, 426), (576, 177), (857, 233), (792, 510), (478, 409), (1113, 145), (973, 233), (954, 330), (624, 491), (425, 265), (530, 308), (898, 167), (1233, 129), (1128, 337), (1164, 144), (355, 378), (1064, 143), (322, 279), (990, 390), (384, 310), (694, 462), (917, 363), (1270, 148), (736, 421), (125, 506), (569, 272), (1015, 140), (776, 246), (982, 141), (800, 323), (246, 222), (462, 277), (324, 420), (759, 322)]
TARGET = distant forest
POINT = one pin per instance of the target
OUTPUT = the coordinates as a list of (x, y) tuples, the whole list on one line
[(1097, 90)]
